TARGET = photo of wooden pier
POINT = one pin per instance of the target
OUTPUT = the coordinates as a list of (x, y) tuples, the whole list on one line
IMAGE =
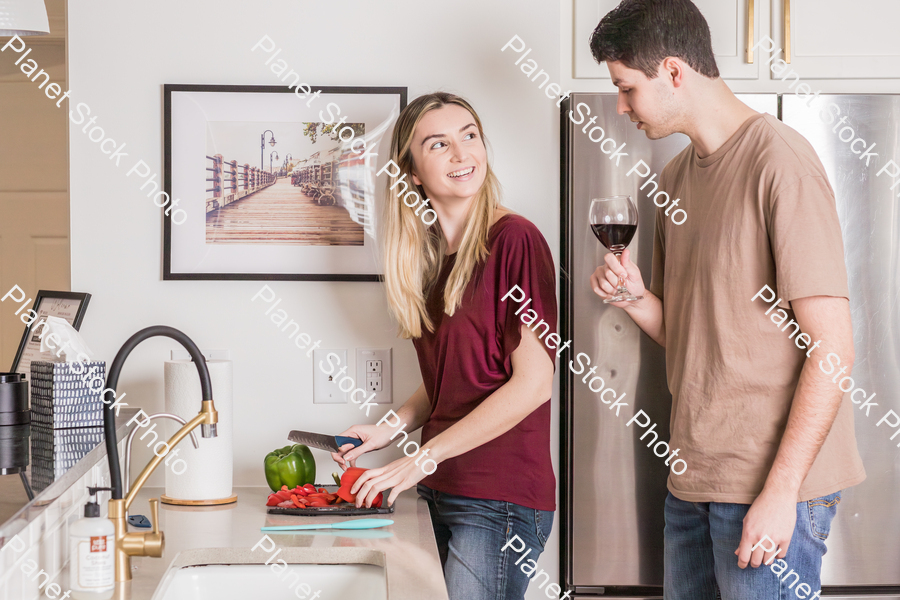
[(310, 196)]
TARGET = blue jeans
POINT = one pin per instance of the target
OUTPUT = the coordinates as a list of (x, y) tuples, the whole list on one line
[(700, 540), (470, 534)]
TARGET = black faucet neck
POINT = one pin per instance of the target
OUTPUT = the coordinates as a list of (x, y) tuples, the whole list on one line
[(112, 380)]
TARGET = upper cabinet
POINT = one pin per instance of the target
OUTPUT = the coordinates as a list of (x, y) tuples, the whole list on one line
[(817, 39), (836, 39), (729, 24)]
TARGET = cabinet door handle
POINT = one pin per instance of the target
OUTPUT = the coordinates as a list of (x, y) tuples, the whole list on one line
[(787, 31), (750, 32)]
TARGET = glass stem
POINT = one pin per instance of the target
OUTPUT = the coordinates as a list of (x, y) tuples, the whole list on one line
[(622, 278)]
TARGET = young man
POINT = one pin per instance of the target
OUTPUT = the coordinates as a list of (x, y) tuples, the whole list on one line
[(766, 433)]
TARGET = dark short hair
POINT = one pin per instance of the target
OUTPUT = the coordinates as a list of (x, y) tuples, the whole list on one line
[(642, 33)]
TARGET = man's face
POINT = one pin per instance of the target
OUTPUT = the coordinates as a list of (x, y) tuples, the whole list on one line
[(648, 102)]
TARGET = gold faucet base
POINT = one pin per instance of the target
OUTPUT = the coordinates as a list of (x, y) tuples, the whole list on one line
[(128, 544), (153, 542)]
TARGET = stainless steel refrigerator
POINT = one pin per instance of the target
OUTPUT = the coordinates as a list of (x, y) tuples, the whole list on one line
[(612, 487)]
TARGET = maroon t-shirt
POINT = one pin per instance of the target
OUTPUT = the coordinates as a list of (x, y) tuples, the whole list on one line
[(468, 357)]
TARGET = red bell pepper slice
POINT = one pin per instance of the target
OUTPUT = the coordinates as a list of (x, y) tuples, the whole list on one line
[(348, 478), (310, 488), (273, 500)]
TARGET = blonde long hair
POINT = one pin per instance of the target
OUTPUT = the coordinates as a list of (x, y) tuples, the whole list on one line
[(413, 251)]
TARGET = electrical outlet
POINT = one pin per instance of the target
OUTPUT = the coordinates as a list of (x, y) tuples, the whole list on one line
[(374, 383), (373, 372), (326, 389)]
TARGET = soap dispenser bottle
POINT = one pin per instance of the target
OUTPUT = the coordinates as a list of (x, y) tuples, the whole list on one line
[(92, 558)]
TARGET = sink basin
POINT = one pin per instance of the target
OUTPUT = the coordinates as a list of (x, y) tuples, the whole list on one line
[(235, 573)]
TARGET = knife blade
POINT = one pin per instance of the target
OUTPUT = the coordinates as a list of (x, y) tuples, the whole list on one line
[(332, 443)]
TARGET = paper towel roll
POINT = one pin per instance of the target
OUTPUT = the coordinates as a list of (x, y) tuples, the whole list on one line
[(209, 472)]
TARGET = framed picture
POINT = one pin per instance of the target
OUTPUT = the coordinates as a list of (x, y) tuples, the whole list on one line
[(272, 183), (70, 306)]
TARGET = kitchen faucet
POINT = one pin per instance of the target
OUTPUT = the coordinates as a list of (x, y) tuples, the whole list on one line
[(135, 431), (150, 543)]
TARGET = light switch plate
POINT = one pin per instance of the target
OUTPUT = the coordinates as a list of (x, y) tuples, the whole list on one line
[(373, 373), (325, 387)]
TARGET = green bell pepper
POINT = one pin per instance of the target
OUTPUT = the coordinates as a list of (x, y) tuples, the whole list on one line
[(290, 466)]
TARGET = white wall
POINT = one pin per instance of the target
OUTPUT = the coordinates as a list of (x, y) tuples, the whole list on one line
[(121, 54)]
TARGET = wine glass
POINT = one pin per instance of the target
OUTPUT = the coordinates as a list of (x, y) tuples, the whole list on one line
[(614, 221)]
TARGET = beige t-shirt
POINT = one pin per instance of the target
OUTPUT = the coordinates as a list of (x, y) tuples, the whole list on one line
[(760, 212)]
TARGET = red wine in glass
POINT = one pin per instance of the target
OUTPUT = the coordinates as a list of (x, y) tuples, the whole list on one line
[(614, 236), (614, 221)]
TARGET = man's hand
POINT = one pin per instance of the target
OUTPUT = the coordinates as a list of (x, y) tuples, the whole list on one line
[(400, 475), (773, 515), (605, 279), (646, 313)]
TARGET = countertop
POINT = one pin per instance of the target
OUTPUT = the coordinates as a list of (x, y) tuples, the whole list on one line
[(63, 484), (412, 564)]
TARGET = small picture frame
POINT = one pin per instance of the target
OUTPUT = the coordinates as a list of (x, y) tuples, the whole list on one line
[(70, 306), (272, 184)]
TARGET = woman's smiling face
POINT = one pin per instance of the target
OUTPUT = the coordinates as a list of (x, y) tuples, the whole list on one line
[(449, 157)]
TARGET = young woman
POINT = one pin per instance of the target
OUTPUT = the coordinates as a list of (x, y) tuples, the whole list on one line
[(484, 404)]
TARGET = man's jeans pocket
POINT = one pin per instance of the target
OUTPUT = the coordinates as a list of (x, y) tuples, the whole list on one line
[(821, 514)]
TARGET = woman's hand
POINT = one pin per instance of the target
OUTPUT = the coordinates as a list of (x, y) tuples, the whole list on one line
[(373, 438), (400, 475)]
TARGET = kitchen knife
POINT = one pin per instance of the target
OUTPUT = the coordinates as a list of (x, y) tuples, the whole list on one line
[(332, 443)]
